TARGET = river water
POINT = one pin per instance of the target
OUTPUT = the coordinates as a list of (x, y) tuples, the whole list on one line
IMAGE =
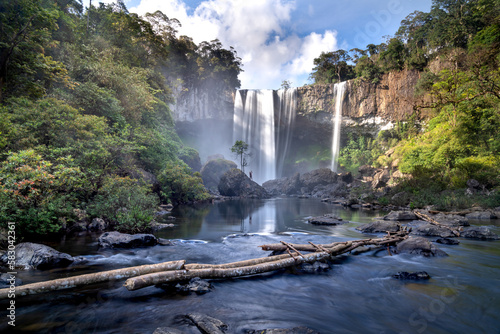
[(357, 295)]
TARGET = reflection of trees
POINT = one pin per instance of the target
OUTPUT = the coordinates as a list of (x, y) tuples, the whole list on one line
[(232, 212), (189, 219)]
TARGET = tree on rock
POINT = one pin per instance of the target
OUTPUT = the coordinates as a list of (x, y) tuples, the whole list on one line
[(240, 148)]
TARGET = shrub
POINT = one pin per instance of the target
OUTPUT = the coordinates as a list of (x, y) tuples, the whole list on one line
[(126, 204), (179, 185)]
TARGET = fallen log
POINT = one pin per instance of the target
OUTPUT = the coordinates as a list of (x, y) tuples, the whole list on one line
[(256, 266), (425, 217), (80, 280)]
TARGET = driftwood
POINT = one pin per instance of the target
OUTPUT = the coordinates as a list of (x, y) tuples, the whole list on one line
[(258, 266), (173, 271), (425, 217), (76, 281)]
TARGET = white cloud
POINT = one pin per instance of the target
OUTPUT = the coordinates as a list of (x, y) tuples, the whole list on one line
[(260, 32)]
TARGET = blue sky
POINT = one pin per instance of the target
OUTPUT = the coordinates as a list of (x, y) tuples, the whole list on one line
[(279, 39)]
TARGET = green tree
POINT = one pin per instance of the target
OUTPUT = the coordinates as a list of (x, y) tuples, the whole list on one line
[(331, 67), (240, 149)]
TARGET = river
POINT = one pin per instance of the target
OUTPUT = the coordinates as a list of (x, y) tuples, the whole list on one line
[(357, 294)]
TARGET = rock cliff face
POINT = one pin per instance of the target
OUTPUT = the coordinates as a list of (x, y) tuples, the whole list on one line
[(372, 106)]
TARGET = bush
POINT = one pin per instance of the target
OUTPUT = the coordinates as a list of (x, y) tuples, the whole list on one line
[(36, 194), (126, 204), (179, 185)]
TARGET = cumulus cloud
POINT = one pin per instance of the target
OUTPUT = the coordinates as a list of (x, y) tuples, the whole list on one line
[(261, 31)]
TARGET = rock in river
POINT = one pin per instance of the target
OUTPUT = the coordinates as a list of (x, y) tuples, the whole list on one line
[(418, 246), (400, 215), (479, 232), (123, 240), (295, 330), (236, 183), (37, 256), (379, 226), (328, 219), (419, 275)]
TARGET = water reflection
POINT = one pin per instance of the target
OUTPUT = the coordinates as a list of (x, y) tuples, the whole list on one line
[(215, 221)]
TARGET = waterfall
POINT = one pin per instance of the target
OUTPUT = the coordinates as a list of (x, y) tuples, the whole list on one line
[(264, 119), (338, 91)]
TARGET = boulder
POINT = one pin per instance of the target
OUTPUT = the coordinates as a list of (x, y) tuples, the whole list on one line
[(236, 183), (379, 226), (380, 179), (479, 232), (212, 172), (418, 246), (123, 240), (292, 185), (446, 241), (318, 177), (346, 177), (481, 215), (328, 219), (400, 215), (366, 170), (30, 255), (295, 330), (451, 220), (431, 230), (419, 275), (207, 324), (196, 285), (275, 187), (97, 224)]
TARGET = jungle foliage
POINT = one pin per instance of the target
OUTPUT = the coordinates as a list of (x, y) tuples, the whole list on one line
[(84, 112)]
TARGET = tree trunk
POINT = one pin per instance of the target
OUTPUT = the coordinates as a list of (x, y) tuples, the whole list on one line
[(75, 281)]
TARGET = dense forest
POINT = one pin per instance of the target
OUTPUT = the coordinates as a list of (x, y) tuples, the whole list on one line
[(84, 115), (460, 140), (85, 122)]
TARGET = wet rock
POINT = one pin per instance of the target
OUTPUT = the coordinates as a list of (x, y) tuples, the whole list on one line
[(431, 230), (123, 240), (419, 275), (236, 183), (274, 187), (196, 285), (379, 226), (165, 242), (328, 219), (318, 177), (312, 268), (292, 185), (450, 219), (6, 280), (481, 215), (400, 215), (295, 330), (446, 241), (206, 324), (418, 246), (97, 224), (346, 177), (30, 255), (479, 232), (366, 170), (212, 172)]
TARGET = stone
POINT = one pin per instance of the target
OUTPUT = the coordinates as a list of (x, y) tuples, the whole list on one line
[(292, 185), (418, 246), (474, 184), (98, 224), (346, 177), (479, 232), (197, 285), (295, 330), (30, 255), (451, 220), (317, 177), (236, 183), (212, 172), (207, 324), (431, 230), (380, 179), (419, 275), (400, 215), (167, 330), (328, 219), (366, 170), (446, 241), (481, 215), (379, 226), (122, 240)]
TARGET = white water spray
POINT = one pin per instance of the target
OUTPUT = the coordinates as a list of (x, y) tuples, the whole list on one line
[(339, 91)]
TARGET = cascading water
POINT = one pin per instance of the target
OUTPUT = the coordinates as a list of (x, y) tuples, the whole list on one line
[(264, 120), (338, 91)]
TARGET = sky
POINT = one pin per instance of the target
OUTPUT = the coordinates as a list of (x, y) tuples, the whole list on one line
[(278, 40)]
